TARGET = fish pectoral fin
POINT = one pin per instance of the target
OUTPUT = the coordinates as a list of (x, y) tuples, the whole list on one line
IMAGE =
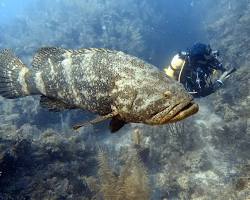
[(116, 124), (96, 120), (54, 105)]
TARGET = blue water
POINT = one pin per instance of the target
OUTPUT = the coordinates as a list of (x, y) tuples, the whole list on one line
[(169, 25), (11, 9)]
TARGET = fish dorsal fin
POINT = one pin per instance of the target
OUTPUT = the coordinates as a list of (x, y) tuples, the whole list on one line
[(45, 53), (91, 50), (54, 105)]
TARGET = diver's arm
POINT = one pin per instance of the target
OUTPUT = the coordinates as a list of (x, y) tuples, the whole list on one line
[(217, 65), (218, 83)]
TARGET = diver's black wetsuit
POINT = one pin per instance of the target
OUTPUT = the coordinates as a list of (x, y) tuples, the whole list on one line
[(197, 76)]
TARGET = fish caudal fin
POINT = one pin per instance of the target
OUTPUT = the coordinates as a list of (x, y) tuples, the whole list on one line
[(13, 75)]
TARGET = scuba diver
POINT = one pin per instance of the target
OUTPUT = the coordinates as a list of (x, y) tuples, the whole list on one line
[(196, 69)]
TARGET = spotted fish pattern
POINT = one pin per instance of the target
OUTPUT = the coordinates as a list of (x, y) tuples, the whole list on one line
[(98, 80)]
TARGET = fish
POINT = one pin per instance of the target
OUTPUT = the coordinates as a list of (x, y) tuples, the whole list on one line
[(112, 84)]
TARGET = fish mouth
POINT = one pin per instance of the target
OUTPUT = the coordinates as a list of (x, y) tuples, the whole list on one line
[(176, 113), (184, 111)]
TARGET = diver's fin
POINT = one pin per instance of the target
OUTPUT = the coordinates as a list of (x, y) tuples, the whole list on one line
[(96, 120), (227, 74), (46, 53), (230, 71), (116, 124), (54, 105)]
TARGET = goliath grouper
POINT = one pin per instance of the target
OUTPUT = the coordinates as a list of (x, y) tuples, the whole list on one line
[(109, 83)]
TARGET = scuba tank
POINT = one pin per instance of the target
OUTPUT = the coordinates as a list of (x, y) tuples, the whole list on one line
[(176, 66)]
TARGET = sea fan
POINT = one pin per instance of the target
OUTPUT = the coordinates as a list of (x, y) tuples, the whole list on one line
[(132, 183)]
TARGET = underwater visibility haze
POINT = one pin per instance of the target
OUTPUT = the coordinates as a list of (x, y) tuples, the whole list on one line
[(108, 57)]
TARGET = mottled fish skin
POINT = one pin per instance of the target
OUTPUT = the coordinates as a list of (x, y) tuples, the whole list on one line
[(76, 78), (102, 81)]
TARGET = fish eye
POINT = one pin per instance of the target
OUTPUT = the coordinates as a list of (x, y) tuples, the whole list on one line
[(167, 94)]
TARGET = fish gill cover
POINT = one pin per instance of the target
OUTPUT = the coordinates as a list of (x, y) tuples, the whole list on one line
[(204, 157)]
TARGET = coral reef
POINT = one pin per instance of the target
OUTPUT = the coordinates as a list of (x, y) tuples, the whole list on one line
[(49, 166)]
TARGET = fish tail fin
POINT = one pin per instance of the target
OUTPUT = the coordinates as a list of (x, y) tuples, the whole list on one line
[(13, 75)]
